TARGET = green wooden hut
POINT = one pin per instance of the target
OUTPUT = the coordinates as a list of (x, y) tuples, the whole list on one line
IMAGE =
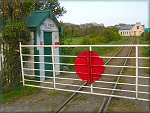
[(45, 30)]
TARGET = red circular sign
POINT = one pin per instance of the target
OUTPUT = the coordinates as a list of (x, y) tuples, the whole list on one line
[(89, 66)]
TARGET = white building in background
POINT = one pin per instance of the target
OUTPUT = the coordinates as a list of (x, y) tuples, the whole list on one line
[(131, 30)]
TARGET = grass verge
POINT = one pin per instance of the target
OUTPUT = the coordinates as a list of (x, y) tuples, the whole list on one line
[(73, 41), (125, 106), (145, 52), (17, 93)]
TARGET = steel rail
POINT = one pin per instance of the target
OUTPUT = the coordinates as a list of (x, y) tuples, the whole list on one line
[(104, 107), (68, 100)]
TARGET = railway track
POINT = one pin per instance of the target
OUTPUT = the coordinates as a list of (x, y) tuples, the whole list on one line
[(106, 100)]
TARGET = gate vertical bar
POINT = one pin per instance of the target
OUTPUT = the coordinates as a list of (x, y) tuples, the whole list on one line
[(21, 64), (1, 58), (91, 72), (1, 62), (136, 71), (53, 62)]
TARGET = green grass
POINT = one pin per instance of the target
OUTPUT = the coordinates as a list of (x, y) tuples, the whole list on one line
[(81, 98), (77, 40), (73, 41), (143, 40), (120, 106), (17, 93), (54, 94), (100, 51), (39, 101), (53, 105), (145, 52)]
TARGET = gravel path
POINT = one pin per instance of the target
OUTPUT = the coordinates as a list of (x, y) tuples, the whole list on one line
[(44, 101)]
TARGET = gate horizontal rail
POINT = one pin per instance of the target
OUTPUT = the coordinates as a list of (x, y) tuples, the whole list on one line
[(55, 80), (127, 45), (84, 64)]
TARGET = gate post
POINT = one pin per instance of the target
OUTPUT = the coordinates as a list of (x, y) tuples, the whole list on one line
[(53, 62), (21, 64)]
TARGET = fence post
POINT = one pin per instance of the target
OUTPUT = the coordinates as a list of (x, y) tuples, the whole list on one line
[(136, 71), (53, 61), (21, 64)]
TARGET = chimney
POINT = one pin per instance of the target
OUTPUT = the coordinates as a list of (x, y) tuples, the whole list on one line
[(138, 23)]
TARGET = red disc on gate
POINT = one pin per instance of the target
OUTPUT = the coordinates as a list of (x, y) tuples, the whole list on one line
[(89, 66)]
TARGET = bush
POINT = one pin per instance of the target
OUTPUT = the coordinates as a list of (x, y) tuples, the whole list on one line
[(86, 41), (12, 34), (99, 39), (146, 35), (106, 36), (110, 35)]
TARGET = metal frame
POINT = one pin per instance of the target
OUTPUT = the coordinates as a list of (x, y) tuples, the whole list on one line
[(91, 87)]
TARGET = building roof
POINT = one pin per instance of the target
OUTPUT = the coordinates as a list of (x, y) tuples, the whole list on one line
[(38, 17), (147, 30), (127, 27)]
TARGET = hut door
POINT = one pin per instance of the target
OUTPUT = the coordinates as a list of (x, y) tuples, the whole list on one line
[(47, 51)]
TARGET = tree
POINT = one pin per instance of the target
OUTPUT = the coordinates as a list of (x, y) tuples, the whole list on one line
[(54, 5), (15, 30), (110, 34), (14, 13), (15, 10)]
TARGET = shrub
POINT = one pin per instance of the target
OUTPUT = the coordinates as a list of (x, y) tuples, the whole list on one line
[(110, 35), (106, 36), (146, 35), (12, 34), (100, 39), (86, 41)]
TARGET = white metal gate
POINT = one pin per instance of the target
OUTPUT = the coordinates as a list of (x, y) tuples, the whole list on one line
[(133, 86)]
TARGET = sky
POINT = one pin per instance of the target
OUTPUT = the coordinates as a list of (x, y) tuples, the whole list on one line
[(108, 12)]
